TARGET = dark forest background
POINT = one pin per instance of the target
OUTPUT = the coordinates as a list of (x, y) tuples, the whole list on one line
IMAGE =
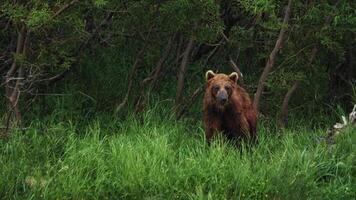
[(116, 57)]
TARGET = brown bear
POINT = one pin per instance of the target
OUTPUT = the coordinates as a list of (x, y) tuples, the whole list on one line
[(228, 109)]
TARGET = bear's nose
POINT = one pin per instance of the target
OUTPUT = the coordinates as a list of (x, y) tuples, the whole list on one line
[(222, 98)]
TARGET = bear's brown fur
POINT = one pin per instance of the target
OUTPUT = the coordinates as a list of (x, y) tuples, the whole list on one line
[(228, 109)]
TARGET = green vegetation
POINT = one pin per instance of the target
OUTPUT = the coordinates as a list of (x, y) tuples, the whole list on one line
[(167, 159), (102, 99)]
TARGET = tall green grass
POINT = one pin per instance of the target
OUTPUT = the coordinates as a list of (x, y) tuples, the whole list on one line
[(167, 159)]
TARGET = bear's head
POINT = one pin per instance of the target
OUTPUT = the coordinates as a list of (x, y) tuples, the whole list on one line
[(221, 87)]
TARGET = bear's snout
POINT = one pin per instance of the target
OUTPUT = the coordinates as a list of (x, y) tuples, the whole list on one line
[(222, 97)]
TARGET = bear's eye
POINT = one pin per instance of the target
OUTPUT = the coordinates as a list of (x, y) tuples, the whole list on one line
[(228, 89), (216, 88)]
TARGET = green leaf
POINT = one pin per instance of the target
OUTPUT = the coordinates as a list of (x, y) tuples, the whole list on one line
[(38, 17)]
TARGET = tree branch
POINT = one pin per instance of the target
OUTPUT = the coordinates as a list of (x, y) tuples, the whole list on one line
[(236, 69), (63, 8)]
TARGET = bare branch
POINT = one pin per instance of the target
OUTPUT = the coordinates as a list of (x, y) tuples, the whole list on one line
[(63, 8), (213, 52), (236, 69)]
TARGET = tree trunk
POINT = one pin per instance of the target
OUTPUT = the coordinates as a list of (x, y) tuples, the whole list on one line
[(161, 62), (13, 83), (191, 100), (152, 78), (272, 57), (181, 73), (283, 121), (284, 109), (131, 80)]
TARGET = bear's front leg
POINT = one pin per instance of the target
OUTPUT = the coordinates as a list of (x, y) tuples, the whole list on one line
[(212, 126), (209, 133)]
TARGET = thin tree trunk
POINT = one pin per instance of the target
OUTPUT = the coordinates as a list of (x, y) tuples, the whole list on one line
[(135, 66), (19, 47), (131, 80), (283, 121), (179, 49), (17, 90), (161, 62), (192, 99), (181, 73), (13, 89), (287, 97), (284, 109), (272, 57), (141, 99)]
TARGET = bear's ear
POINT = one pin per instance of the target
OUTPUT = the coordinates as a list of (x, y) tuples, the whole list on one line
[(209, 74), (234, 77)]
